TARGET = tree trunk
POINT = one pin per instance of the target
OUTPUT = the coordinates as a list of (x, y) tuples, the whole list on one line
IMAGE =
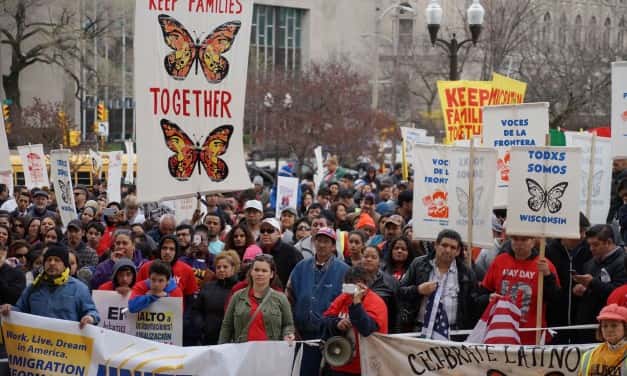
[(11, 85)]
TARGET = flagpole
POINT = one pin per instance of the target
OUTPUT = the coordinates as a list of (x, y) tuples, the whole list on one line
[(471, 197), (590, 175), (404, 157)]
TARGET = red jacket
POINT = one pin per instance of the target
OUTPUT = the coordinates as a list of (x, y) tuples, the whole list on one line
[(375, 308), (107, 286), (182, 273)]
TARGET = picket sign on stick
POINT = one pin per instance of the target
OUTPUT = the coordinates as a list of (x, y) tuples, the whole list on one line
[(471, 198), (540, 333)]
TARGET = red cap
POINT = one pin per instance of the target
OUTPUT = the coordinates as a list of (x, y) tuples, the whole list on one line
[(613, 312), (328, 232)]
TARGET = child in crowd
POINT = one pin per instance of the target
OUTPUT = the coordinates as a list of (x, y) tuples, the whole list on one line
[(158, 285), (123, 277), (610, 357)]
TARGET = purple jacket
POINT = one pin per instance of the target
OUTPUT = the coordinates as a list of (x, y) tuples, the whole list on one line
[(104, 270)]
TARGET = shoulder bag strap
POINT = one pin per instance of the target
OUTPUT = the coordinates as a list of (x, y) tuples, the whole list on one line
[(254, 315)]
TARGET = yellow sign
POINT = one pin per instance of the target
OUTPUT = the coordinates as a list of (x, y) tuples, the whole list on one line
[(46, 352), (461, 103), (506, 90)]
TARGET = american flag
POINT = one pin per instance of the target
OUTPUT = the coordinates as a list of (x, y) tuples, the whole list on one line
[(499, 324), (440, 325)]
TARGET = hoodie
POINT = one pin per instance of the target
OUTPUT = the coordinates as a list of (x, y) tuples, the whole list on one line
[(113, 283), (142, 298)]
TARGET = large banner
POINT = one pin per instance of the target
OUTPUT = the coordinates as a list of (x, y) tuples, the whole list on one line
[(190, 87), (545, 182), (461, 103), (114, 176), (506, 90), (619, 109), (42, 346), (442, 192), (62, 181), (34, 163), (383, 355), (287, 194), (596, 174), (512, 125)]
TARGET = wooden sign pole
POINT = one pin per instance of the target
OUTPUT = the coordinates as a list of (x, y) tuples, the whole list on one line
[(541, 277), (471, 197)]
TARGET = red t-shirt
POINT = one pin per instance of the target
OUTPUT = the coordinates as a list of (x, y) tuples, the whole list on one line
[(183, 275), (618, 296), (375, 308), (518, 279), (257, 329)]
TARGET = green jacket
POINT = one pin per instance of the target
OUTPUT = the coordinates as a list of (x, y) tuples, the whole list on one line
[(277, 317)]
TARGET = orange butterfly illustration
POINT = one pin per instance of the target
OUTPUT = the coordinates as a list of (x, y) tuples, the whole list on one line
[(189, 153), (188, 52)]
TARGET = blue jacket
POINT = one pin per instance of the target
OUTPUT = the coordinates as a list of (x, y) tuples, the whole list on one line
[(140, 302), (70, 301), (313, 290)]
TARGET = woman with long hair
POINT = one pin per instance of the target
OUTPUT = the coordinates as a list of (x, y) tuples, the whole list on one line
[(5, 237), (384, 285), (47, 223), (356, 245), (19, 227), (399, 258), (258, 312), (340, 214), (32, 230), (238, 239)]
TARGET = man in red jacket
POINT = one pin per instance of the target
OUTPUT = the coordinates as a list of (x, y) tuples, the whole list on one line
[(182, 273)]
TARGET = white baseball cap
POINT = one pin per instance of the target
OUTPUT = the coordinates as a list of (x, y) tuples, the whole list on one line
[(272, 222), (254, 204)]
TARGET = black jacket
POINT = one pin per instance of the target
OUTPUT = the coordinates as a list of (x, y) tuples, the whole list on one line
[(557, 313), (12, 283), (285, 257), (208, 309), (419, 272), (386, 287), (598, 291)]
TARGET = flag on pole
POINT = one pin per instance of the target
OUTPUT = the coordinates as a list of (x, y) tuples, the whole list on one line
[(437, 325), (499, 324)]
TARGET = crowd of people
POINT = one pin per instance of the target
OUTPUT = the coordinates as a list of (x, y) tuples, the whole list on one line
[(245, 275)]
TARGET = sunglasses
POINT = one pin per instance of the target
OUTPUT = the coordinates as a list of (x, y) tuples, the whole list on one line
[(21, 256), (18, 225), (267, 231), (264, 257), (303, 228)]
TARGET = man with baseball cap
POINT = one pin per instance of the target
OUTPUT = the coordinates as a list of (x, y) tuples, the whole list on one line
[(253, 210), (40, 205), (55, 293), (314, 284), (285, 256), (85, 255)]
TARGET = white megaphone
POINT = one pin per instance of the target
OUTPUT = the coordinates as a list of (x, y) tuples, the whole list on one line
[(338, 351)]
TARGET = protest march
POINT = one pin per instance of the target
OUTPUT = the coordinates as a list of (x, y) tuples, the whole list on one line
[(494, 246)]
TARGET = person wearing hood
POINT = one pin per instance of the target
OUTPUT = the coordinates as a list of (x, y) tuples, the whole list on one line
[(160, 284), (182, 273), (123, 277)]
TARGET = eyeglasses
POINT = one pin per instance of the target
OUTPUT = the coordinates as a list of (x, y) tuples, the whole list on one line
[(303, 228), (264, 257), (22, 256), (18, 225), (267, 231)]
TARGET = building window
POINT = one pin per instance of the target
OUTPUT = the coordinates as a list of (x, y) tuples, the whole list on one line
[(591, 36), (620, 40), (545, 35), (607, 26), (563, 28), (405, 35), (276, 38), (578, 31)]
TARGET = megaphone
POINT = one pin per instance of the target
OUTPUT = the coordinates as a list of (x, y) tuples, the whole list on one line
[(338, 351)]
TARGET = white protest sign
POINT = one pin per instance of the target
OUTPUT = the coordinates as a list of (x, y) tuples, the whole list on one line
[(37, 345), (114, 176), (412, 137), (512, 125), (130, 162), (96, 162), (34, 163), (184, 208), (113, 310), (403, 355), (161, 321), (287, 194), (619, 109), (545, 182), (319, 168), (596, 174), (6, 170), (441, 192), (60, 170), (190, 91)]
